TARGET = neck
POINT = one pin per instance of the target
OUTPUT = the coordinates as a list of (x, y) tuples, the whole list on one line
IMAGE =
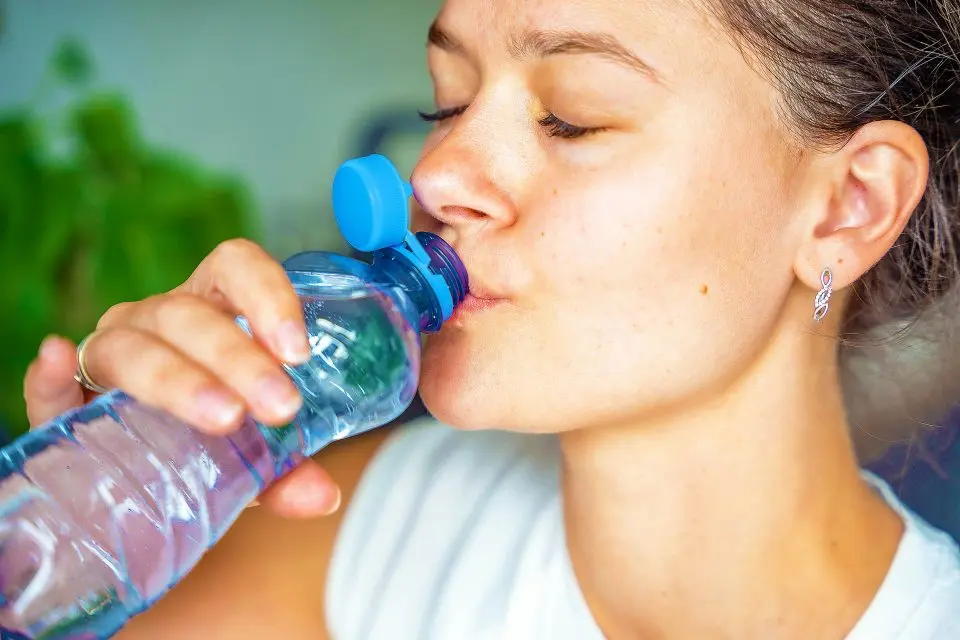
[(744, 516)]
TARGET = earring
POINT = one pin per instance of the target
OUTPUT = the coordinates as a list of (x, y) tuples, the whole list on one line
[(821, 304)]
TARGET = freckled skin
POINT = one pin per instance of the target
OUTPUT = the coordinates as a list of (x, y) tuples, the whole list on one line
[(603, 243)]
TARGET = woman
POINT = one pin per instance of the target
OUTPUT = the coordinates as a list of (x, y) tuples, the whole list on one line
[(655, 202)]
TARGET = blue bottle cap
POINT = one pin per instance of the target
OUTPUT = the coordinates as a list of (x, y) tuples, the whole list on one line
[(370, 203), (371, 206)]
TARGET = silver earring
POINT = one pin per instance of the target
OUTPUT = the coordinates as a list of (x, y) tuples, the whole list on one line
[(821, 304)]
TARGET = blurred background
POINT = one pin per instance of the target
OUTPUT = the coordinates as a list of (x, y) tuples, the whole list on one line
[(135, 135)]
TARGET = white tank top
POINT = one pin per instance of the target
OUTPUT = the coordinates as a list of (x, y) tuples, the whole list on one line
[(459, 536)]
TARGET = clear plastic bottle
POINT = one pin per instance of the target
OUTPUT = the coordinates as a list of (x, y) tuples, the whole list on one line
[(106, 507)]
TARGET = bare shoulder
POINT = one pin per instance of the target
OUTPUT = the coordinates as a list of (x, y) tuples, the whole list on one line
[(266, 578)]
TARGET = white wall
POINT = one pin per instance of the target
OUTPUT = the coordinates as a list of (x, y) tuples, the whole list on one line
[(272, 90)]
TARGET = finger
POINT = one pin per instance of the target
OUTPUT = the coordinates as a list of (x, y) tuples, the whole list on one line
[(307, 492), (213, 340), (257, 287), (49, 388), (158, 374)]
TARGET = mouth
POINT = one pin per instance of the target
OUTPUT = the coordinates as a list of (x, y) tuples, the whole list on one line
[(481, 296), (475, 303)]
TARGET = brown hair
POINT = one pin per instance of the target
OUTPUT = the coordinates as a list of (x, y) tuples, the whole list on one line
[(842, 65)]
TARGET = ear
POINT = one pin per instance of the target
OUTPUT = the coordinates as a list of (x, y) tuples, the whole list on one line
[(875, 182)]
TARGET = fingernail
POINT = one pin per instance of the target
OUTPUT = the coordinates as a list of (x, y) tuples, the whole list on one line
[(291, 343), (254, 503), (219, 408), (336, 503), (279, 397)]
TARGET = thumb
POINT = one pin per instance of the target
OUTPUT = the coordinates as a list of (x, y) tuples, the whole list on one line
[(49, 387)]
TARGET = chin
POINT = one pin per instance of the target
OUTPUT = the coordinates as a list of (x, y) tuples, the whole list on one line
[(471, 378), (450, 400), (458, 385), (479, 398)]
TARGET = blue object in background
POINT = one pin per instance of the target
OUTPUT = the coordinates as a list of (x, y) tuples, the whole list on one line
[(925, 473), (391, 123)]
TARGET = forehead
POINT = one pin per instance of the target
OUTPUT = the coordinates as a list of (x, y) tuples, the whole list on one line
[(656, 27), (499, 19), (681, 39), (493, 11)]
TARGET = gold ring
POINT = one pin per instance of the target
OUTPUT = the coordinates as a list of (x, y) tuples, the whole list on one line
[(81, 375)]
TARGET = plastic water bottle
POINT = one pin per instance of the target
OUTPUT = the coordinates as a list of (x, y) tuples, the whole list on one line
[(106, 507)]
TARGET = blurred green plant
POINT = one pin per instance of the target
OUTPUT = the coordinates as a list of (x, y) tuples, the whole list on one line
[(92, 215)]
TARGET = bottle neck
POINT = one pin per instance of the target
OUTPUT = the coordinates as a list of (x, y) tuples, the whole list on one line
[(417, 300), (429, 273)]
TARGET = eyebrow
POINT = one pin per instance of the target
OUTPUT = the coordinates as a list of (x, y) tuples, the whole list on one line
[(549, 43)]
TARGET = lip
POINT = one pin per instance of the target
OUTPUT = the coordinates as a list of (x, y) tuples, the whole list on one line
[(473, 304)]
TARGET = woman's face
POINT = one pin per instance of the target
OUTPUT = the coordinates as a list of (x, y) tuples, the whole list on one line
[(621, 190)]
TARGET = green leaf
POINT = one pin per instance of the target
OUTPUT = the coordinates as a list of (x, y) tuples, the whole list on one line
[(110, 220), (72, 64), (107, 133)]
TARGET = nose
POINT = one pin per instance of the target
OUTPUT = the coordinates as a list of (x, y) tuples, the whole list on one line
[(456, 186)]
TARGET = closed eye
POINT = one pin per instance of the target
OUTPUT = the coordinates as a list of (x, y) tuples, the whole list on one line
[(558, 128), (442, 114), (555, 127)]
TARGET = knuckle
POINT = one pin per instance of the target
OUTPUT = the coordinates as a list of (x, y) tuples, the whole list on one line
[(174, 309), (235, 250), (136, 362), (114, 314), (172, 377)]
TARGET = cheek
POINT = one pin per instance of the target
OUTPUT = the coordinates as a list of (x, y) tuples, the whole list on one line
[(647, 288), (663, 243), (629, 310), (666, 287)]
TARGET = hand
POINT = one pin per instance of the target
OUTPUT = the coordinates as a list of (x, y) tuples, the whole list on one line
[(193, 361)]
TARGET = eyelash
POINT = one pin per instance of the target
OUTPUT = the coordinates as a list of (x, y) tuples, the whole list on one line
[(556, 128)]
